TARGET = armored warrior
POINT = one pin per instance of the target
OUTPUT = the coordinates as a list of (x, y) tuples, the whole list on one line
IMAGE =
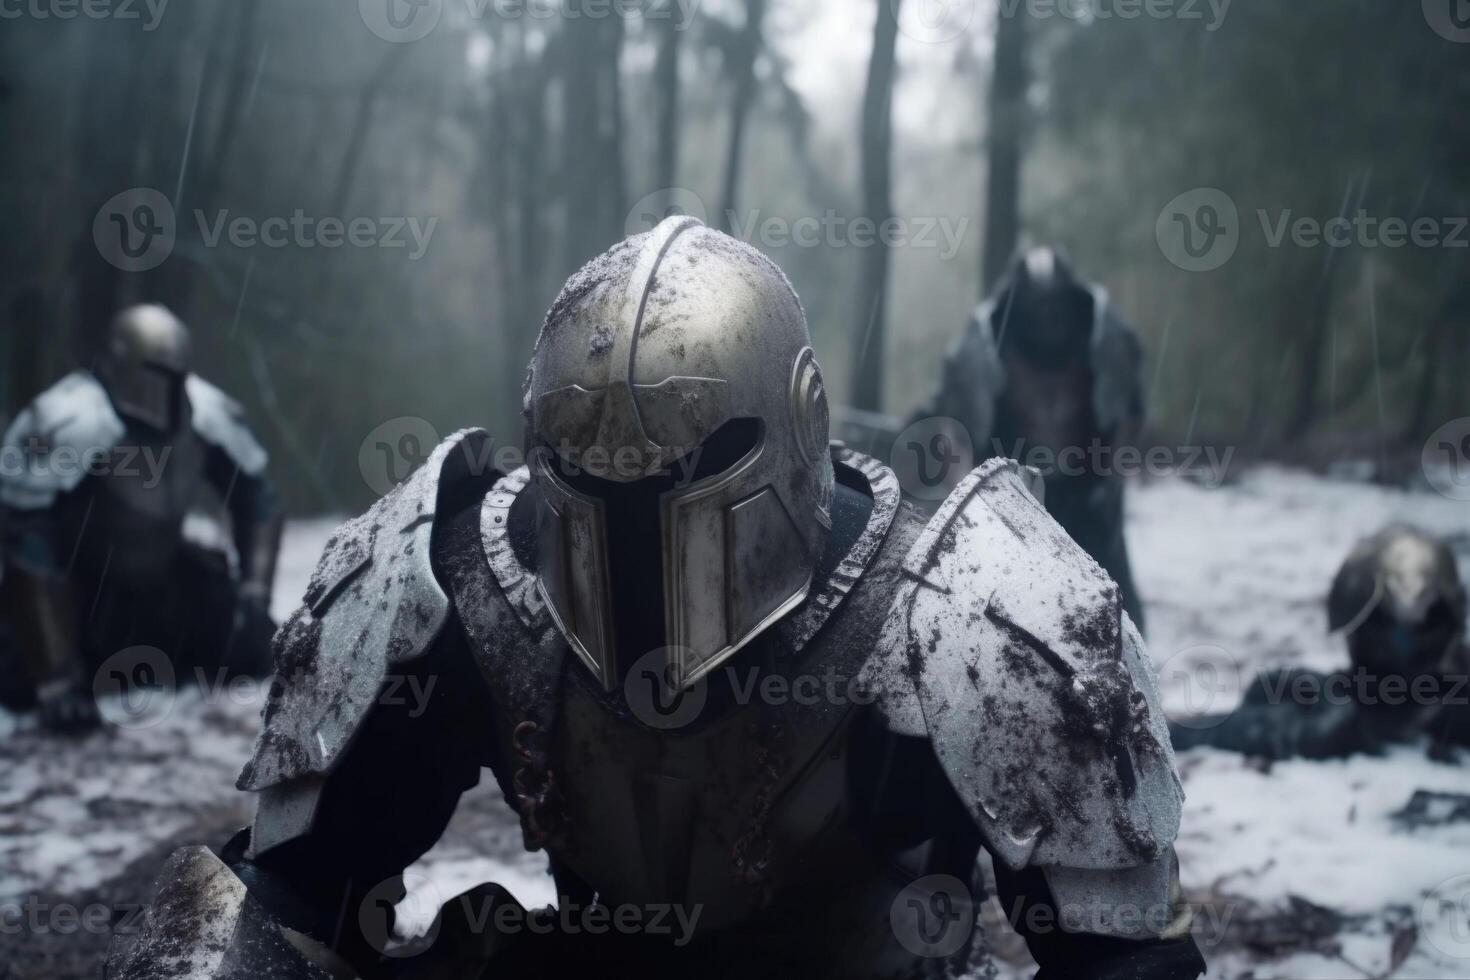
[(1399, 602), (612, 626), (100, 472), (1048, 371)]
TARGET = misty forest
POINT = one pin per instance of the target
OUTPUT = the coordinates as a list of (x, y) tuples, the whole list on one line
[(363, 209)]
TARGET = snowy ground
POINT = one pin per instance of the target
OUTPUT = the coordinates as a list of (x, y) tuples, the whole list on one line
[(1300, 872)]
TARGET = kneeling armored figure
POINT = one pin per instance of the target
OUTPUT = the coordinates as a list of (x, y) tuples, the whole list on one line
[(1399, 602), (102, 470), (715, 664), (1048, 370)]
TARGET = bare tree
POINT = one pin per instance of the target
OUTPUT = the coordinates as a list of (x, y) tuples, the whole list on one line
[(666, 88), (592, 153), (1007, 130), (867, 388), (741, 55)]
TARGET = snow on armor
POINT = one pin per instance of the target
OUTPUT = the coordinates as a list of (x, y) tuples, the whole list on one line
[(646, 353), (983, 629)]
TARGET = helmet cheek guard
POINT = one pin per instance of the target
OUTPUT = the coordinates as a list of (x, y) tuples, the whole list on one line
[(144, 365), (654, 354)]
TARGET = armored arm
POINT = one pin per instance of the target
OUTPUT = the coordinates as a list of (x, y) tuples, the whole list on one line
[(311, 885), (255, 522), (1117, 371), (39, 603), (237, 469), (1009, 653), (1065, 953), (377, 721), (51, 445)]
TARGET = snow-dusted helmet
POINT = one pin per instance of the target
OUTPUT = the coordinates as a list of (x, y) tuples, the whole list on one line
[(678, 424), (145, 363), (1399, 600)]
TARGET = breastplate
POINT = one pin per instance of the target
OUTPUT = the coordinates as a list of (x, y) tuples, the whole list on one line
[(737, 810), (141, 501), (718, 816)]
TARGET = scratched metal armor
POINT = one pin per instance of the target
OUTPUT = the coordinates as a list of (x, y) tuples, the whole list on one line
[(1047, 365), (99, 474), (611, 628)]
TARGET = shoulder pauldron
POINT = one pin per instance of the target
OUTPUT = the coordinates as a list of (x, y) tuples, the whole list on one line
[(373, 602), (74, 417), (1007, 647)]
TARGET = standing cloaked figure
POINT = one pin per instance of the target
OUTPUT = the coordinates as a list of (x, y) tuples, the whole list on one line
[(1400, 605), (1046, 365), (611, 629), (100, 472)]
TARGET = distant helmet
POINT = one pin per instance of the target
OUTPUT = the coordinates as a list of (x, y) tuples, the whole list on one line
[(145, 363), (1399, 600), (677, 425), (1044, 310)]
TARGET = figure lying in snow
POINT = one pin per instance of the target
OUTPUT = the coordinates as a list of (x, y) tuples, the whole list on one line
[(1399, 602), (100, 472), (611, 630)]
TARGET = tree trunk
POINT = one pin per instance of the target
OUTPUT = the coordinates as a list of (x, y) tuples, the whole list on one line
[(179, 289), (591, 138), (742, 72), (867, 387), (666, 90), (1007, 129)]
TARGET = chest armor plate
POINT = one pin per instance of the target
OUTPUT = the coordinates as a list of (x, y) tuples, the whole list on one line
[(732, 806), (140, 502), (719, 814)]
